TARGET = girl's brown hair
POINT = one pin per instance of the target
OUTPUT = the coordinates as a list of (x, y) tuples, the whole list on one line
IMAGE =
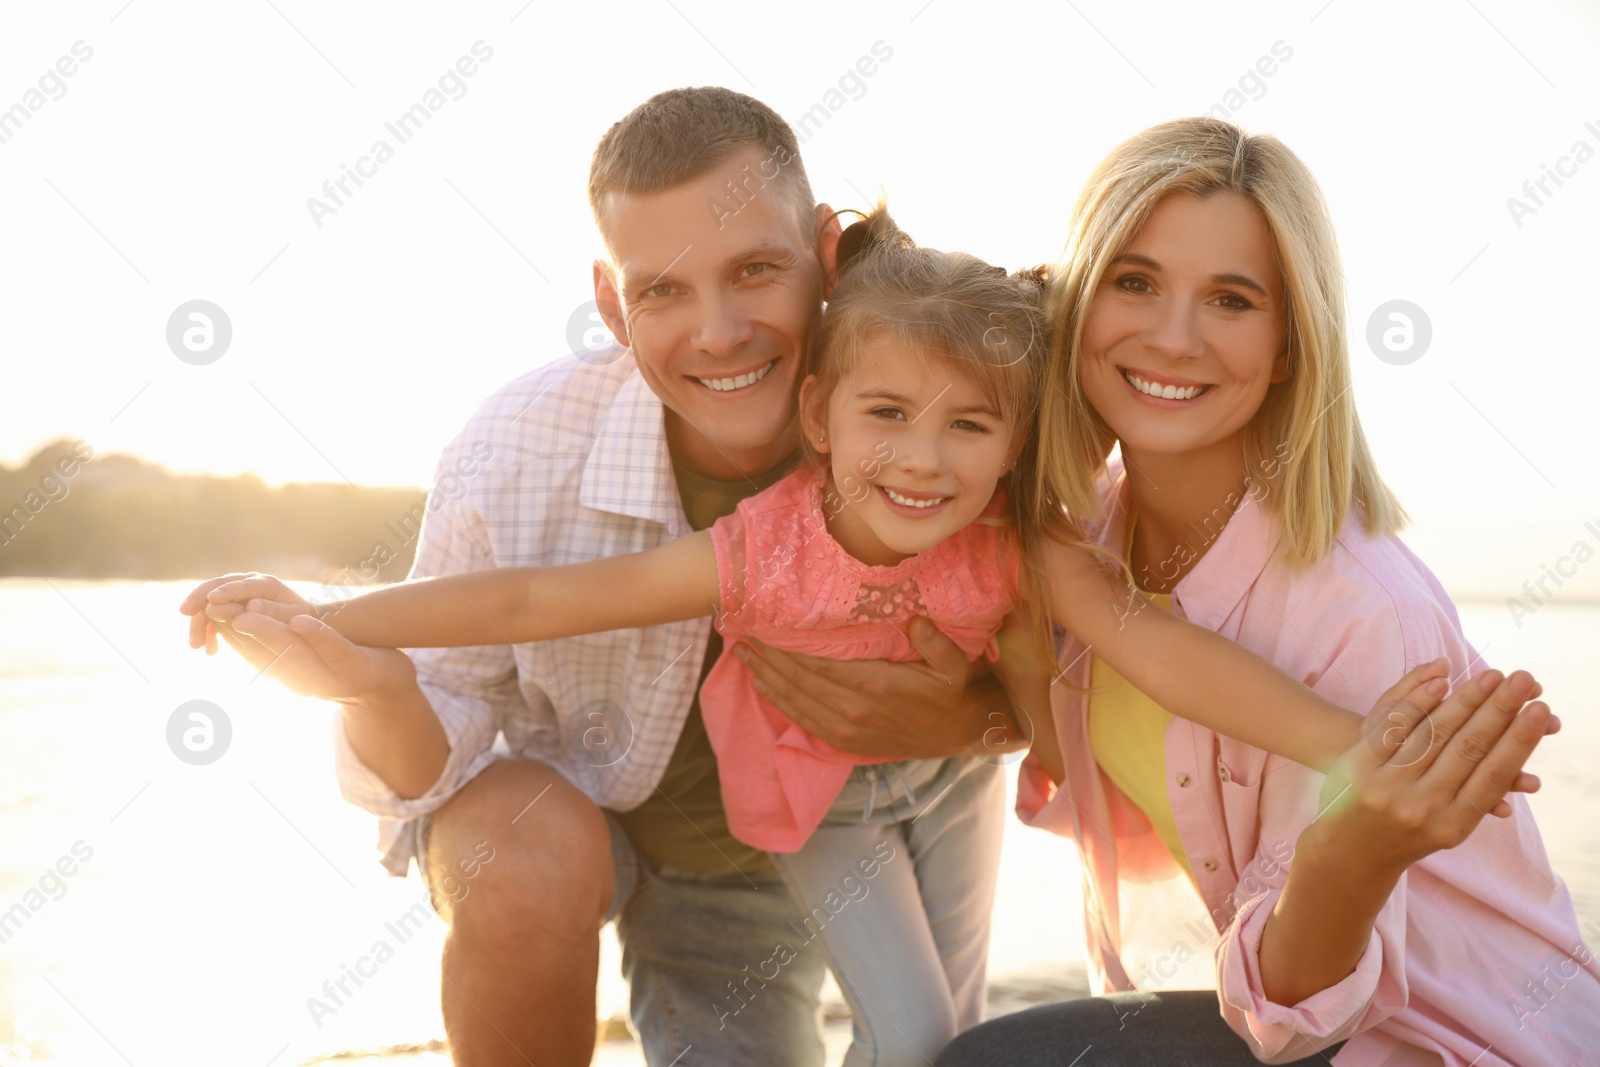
[(981, 320)]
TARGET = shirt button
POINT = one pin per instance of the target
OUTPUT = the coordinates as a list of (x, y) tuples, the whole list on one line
[(1210, 865), (1222, 772), (1183, 781)]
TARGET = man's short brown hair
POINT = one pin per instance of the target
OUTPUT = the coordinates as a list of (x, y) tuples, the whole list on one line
[(680, 134)]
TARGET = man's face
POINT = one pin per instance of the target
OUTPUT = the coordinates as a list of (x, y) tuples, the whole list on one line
[(719, 303)]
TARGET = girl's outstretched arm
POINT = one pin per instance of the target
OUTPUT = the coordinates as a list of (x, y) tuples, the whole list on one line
[(1194, 673), (510, 605)]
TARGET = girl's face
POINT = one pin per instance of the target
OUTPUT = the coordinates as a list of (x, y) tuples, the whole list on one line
[(1187, 328), (915, 450)]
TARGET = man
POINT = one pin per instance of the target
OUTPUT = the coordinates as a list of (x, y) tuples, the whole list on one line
[(609, 807)]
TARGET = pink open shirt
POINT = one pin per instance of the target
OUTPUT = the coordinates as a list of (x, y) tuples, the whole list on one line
[(1476, 959)]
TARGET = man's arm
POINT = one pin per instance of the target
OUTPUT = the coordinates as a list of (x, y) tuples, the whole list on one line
[(927, 710)]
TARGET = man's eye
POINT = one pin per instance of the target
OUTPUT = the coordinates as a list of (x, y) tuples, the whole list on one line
[(663, 289), (753, 269)]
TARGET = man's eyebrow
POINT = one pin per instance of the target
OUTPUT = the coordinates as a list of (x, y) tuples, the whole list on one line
[(1245, 280)]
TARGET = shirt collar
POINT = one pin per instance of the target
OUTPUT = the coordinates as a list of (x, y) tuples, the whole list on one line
[(629, 470)]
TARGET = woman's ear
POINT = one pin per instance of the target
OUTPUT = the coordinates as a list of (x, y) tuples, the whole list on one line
[(828, 231), (813, 416), (609, 301)]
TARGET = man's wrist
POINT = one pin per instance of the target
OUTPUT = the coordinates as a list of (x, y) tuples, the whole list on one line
[(394, 688)]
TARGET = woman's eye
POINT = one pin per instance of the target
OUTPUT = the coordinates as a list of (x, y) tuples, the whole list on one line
[(1234, 302), (1133, 283)]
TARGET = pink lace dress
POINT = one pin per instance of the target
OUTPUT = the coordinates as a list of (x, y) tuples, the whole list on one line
[(787, 582)]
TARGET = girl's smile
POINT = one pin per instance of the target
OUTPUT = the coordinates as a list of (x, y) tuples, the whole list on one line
[(915, 449)]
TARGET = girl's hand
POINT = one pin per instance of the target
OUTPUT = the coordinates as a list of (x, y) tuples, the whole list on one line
[(1422, 779), (224, 599)]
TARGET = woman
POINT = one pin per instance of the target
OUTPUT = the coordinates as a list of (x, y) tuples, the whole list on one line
[(1200, 325)]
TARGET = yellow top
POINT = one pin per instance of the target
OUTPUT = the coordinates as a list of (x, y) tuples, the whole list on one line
[(1128, 731)]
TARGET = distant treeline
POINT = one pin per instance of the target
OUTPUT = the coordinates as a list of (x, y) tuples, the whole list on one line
[(70, 513)]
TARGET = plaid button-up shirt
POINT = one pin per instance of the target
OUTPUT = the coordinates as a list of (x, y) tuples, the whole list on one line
[(564, 464)]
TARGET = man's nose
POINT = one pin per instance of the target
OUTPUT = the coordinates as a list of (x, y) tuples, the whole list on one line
[(724, 325)]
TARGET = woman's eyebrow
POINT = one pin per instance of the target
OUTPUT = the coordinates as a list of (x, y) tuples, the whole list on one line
[(1245, 280)]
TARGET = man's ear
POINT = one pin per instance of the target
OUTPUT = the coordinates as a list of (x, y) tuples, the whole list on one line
[(609, 302), (812, 421), (828, 231)]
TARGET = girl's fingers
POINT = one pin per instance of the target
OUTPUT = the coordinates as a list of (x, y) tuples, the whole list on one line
[(1469, 746), (257, 585), (277, 610), (197, 596), (1430, 737), (1498, 771), (1402, 709)]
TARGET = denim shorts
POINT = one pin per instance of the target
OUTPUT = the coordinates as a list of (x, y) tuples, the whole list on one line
[(692, 943)]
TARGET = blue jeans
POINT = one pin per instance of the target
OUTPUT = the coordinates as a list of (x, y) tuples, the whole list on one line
[(897, 886), (1183, 1028), (698, 955)]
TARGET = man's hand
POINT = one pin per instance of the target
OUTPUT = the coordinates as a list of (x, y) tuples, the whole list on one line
[(308, 656), (925, 710)]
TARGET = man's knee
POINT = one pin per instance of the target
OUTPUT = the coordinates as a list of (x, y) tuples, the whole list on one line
[(519, 848)]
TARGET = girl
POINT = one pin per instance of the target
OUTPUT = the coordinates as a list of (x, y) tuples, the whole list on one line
[(1200, 326), (918, 470)]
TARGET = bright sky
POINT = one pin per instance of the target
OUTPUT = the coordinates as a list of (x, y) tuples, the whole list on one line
[(175, 163)]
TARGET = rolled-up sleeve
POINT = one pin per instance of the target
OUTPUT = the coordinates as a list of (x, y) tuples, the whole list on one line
[(470, 689), (1279, 1033)]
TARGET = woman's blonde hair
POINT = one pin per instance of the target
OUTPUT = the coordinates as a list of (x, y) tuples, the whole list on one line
[(983, 321), (1329, 465)]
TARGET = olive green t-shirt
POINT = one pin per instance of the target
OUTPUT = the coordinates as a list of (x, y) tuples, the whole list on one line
[(682, 824)]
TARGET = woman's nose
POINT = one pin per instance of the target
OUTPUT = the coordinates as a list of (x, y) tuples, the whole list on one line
[(1174, 331)]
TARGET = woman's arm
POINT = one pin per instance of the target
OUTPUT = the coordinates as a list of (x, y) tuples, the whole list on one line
[(1399, 797), (1192, 672), (510, 605)]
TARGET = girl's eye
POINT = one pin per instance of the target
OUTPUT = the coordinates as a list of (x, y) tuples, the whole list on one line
[(968, 424), (888, 413)]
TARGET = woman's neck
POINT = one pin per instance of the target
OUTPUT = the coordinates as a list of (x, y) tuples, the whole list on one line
[(1181, 503)]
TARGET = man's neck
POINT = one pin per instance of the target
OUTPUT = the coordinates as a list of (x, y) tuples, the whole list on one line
[(711, 459)]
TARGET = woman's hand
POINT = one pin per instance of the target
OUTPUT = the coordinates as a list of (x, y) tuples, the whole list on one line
[(1422, 778)]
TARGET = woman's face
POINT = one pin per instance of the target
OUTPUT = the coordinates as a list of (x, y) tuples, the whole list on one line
[(1187, 328)]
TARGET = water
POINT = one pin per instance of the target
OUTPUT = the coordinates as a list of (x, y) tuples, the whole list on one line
[(214, 901)]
